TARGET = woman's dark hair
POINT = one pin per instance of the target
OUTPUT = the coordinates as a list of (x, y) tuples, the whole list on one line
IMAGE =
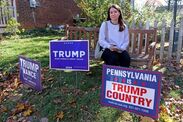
[(120, 19)]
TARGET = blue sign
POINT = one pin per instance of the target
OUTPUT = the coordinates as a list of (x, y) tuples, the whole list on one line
[(69, 55), (136, 91), (30, 73)]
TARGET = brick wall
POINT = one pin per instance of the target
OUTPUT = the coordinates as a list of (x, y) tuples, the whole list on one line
[(53, 12)]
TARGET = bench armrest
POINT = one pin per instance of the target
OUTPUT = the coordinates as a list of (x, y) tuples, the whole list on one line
[(152, 48)]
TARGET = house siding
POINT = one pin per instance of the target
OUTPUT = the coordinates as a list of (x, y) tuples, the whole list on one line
[(55, 12)]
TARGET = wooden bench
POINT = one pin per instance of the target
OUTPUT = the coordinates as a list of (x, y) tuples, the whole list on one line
[(141, 48)]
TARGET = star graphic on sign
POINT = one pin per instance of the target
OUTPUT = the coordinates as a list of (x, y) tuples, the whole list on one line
[(111, 78), (143, 84), (115, 79), (135, 82), (123, 80)]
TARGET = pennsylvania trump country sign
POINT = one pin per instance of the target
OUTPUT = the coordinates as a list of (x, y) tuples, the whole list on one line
[(136, 91), (69, 55)]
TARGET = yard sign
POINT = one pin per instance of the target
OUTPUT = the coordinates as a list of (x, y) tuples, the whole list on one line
[(30, 73), (69, 55), (136, 91)]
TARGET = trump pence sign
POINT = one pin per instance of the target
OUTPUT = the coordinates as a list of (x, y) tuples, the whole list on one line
[(136, 91), (69, 55)]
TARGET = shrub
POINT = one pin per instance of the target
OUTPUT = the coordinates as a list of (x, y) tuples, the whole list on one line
[(96, 11), (12, 26)]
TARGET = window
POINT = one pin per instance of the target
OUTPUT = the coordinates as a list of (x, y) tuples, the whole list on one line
[(34, 3)]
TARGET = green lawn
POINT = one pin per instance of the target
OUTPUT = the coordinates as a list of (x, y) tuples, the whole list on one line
[(76, 94), (70, 96), (35, 47)]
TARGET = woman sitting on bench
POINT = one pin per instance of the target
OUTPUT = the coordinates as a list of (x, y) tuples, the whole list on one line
[(117, 39)]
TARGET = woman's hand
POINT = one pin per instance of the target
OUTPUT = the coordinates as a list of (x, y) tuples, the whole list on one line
[(113, 48)]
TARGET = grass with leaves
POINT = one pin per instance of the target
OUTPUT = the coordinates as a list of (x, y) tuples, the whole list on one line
[(67, 96), (74, 94)]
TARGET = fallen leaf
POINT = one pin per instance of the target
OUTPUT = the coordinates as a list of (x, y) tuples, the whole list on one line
[(27, 112), (50, 79), (10, 120), (89, 73), (16, 82), (20, 106), (1, 99), (58, 101), (72, 103), (163, 109), (3, 109), (60, 115), (21, 119)]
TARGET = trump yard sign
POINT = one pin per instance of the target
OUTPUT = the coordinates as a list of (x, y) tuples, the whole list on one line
[(136, 91), (69, 55), (30, 72)]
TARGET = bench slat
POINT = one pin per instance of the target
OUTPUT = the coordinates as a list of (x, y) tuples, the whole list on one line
[(146, 43), (135, 43), (140, 43)]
